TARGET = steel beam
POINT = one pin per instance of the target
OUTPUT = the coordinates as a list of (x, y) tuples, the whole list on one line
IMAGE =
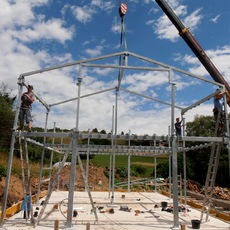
[(199, 102), (151, 98), (175, 69), (125, 67), (83, 96), (70, 64)]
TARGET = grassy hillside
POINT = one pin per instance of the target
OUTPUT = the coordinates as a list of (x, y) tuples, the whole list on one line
[(122, 161)]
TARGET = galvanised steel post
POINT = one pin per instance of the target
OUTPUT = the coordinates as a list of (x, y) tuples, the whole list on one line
[(110, 157), (227, 128), (59, 162), (174, 165), (170, 166), (114, 149), (4, 202), (155, 168), (51, 157), (72, 180), (87, 164), (73, 161), (42, 157), (184, 163), (129, 164)]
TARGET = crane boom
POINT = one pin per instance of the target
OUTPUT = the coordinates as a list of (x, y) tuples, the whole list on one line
[(195, 47)]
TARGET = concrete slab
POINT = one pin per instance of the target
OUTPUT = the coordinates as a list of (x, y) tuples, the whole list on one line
[(142, 216)]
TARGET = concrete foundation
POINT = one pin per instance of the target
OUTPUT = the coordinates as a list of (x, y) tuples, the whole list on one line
[(144, 212)]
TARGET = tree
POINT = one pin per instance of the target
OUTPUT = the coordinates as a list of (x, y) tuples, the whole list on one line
[(95, 130), (103, 131), (6, 115), (199, 159)]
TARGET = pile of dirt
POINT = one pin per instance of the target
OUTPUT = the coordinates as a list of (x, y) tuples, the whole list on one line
[(15, 191), (97, 180)]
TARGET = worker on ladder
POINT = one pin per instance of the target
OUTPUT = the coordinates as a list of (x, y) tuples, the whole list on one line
[(218, 109)]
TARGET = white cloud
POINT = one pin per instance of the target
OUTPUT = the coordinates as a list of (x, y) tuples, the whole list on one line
[(106, 6), (94, 52), (51, 29), (116, 27), (150, 22), (14, 13), (141, 82), (193, 19), (215, 19), (220, 57), (164, 28), (83, 14)]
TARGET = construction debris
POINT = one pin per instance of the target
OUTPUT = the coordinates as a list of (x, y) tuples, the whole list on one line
[(125, 208), (218, 193)]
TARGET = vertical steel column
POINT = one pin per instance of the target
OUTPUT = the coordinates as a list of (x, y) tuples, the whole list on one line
[(155, 168), (114, 149), (174, 165), (110, 157), (4, 202), (87, 164), (42, 158), (184, 163), (23, 175), (170, 165), (51, 157), (59, 163), (73, 161), (227, 128), (129, 164)]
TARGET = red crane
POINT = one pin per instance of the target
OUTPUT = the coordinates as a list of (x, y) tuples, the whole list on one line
[(195, 47)]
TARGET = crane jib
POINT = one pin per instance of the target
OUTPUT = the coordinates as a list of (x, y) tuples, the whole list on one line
[(194, 46)]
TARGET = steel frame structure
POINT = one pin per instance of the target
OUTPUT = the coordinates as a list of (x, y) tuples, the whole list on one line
[(114, 149)]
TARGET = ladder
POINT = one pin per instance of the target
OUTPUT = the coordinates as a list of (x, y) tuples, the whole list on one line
[(212, 169), (26, 186), (50, 189)]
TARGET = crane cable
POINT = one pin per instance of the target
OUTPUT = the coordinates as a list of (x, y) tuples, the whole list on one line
[(122, 12)]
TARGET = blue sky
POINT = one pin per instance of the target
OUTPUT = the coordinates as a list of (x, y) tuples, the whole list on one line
[(43, 33)]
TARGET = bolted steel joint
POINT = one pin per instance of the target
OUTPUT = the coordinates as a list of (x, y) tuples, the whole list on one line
[(79, 80)]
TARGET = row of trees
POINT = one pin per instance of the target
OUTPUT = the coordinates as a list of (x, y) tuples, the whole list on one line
[(6, 115), (197, 161)]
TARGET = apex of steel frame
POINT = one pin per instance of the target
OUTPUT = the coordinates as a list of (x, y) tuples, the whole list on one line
[(162, 68)]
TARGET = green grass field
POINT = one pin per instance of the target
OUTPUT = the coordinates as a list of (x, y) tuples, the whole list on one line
[(122, 161)]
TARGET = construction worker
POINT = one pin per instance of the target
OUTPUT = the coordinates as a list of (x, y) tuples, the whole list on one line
[(218, 107), (23, 207), (26, 108), (178, 126)]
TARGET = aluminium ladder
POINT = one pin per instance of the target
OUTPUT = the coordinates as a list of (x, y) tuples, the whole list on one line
[(212, 169), (51, 187)]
